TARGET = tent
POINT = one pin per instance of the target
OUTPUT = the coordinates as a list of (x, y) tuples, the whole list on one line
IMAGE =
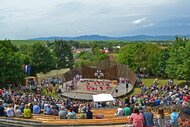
[(102, 97)]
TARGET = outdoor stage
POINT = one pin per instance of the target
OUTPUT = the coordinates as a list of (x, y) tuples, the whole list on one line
[(82, 91), (105, 76)]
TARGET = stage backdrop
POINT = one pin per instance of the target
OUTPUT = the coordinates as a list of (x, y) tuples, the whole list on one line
[(99, 73)]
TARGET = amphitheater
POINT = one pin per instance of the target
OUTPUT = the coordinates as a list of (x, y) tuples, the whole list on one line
[(101, 77)]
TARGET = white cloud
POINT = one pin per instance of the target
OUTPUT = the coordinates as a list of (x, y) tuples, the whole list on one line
[(23, 19), (138, 21), (149, 25)]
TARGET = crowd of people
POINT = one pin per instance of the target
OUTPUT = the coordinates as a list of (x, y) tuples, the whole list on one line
[(136, 107), (21, 104)]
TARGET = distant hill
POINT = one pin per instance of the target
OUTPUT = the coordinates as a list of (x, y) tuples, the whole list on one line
[(129, 38)]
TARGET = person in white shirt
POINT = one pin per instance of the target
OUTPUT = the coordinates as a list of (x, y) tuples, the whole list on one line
[(10, 111), (18, 112), (120, 111), (178, 101)]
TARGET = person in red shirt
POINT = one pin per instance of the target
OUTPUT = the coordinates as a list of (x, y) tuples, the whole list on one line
[(185, 98), (1, 92)]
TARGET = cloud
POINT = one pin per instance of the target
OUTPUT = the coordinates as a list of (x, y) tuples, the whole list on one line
[(23, 19), (149, 25), (139, 21)]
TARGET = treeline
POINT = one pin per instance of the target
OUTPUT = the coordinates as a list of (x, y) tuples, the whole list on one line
[(43, 57), (171, 61), (167, 60), (39, 57)]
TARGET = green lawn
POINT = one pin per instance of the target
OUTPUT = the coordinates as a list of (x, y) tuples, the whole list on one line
[(26, 42), (54, 94), (149, 82)]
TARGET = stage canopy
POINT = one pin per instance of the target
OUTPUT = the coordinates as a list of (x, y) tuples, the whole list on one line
[(102, 97)]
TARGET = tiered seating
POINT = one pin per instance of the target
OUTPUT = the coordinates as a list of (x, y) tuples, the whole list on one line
[(108, 119)]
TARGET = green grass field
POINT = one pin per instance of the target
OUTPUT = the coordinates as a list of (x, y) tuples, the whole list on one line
[(30, 42), (161, 82), (26, 42), (53, 94)]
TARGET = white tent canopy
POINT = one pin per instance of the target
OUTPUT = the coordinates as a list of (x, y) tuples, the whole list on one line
[(102, 97)]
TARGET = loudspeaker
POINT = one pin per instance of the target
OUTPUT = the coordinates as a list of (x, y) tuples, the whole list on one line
[(127, 85)]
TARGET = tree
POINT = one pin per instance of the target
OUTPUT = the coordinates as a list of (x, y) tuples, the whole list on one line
[(162, 58), (11, 64), (187, 61), (140, 55), (175, 64), (41, 58), (63, 54)]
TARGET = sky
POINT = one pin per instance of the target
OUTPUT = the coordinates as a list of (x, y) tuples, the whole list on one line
[(25, 19)]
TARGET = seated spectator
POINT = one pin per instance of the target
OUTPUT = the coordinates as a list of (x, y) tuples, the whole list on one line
[(54, 111), (36, 109), (18, 112), (82, 115), (48, 110), (10, 111), (31, 106), (71, 114), (184, 117), (21, 107), (89, 114), (119, 112), (157, 102), (27, 112), (63, 113), (127, 110), (2, 109)]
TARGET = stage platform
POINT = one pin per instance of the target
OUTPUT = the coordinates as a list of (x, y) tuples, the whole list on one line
[(81, 92)]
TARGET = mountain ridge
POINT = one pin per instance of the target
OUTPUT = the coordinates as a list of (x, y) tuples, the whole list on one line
[(122, 38)]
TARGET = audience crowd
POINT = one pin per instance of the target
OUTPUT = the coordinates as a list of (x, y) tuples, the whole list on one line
[(136, 107)]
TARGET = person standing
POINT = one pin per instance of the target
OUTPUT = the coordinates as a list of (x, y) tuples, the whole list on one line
[(148, 118), (174, 118), (161, 119), (137, 118)]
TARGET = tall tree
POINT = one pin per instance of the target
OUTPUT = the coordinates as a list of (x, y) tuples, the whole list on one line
[(175, 64), (63, 54), (140, 56), (162, 58), (10, 64), (42, 58), (187, 61)]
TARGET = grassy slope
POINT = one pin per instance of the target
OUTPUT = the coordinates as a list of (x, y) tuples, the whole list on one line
[(54, 94), (149, 82)]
